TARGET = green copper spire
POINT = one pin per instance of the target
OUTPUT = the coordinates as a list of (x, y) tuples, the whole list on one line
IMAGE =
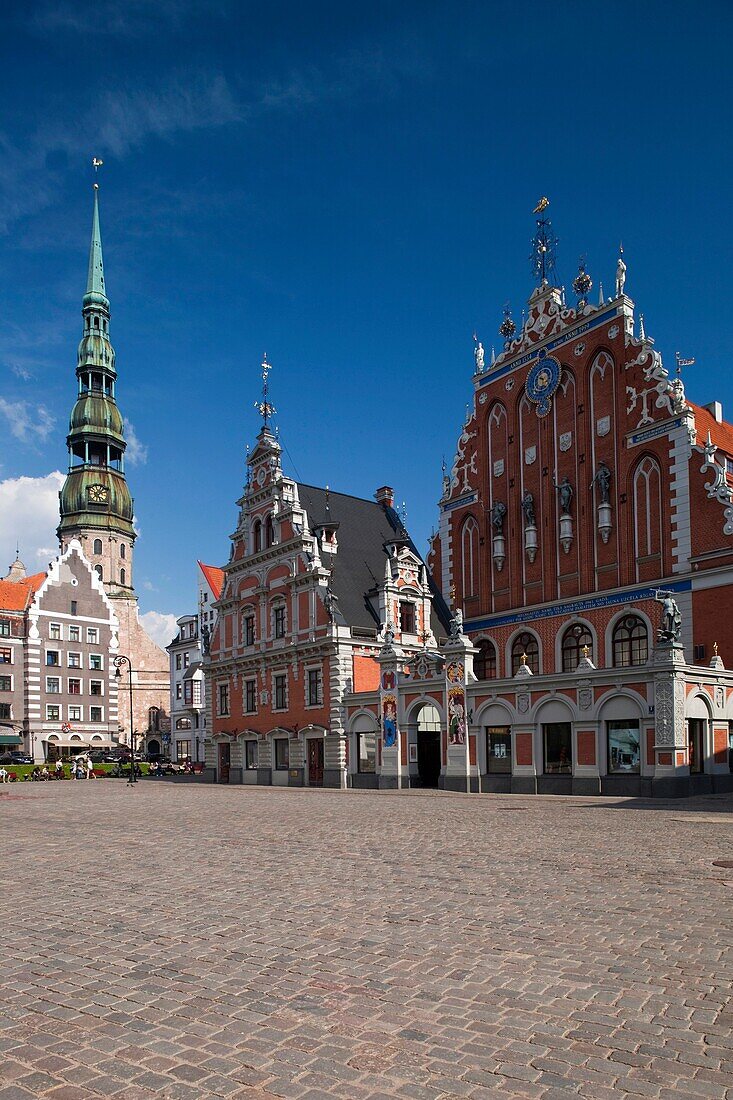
[(95, 276)]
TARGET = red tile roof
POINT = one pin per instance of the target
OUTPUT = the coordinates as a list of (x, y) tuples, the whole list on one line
[(17, 595), (214, 577), (721, 434)]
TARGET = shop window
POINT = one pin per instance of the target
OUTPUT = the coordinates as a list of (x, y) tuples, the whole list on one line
[(183, 750), (558, 748), (367, 752), (630, 642), (484, 663), (695, 744), (624, 746), (574, 641), (499, 750), (282, 754), (525, 644), (250, 755)]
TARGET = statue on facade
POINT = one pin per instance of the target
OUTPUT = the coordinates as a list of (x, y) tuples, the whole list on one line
[(389, 634), (528, 509), (498, 512), (329, 602), (603, 480), (478, 355), (456, 624), (671, 618), (565, 490), (620, 275), (205, 640)]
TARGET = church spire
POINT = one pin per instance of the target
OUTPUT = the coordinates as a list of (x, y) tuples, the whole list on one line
[(95, 276)]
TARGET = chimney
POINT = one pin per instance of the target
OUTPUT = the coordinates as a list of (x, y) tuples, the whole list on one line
[(385, 496), (716, 410)]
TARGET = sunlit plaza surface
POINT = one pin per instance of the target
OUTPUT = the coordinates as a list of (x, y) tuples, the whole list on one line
[(190, 941)]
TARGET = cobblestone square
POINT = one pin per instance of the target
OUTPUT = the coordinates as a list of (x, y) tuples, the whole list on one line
[(190, 941)]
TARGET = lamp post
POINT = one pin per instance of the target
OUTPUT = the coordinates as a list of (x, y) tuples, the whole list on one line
[(119, 661)]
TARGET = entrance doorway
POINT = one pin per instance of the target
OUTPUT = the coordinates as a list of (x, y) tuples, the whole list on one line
[(154, 748), (315, 761), (428, 747), (557, 740), (224, 758), (499, 750)]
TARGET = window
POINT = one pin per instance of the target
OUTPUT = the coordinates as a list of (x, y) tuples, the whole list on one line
[(630, 642), (188, 692), (558, 745), (695, 743), (73, 607), (366, 760), (123, 550), (624, 746), (54, 631), (314, 687), (197, 693), (248, 629), (282, 754), (96, 714), (53, 712), (206, 597), (52, 656), (525, 644), (98, 571), (75, 714), (250, 696), (92, 635), (5, 710), (178, 691), (269, 532), (256, 536), (281, 692), (186, 659), (97, 546), (6, 656), (122, 577), (6, 683), (183, 723), (279, 618), (499, 750), (183, 749), (407, 617), (153, 718), (74, 687), (74, 660), (574, 641), (484, 663), (698, 653), (250, 755), (4, 628), (74, 634), (53, 685), (178, 661), (95, 662), (95, 687), (223, 700), (469, 556)]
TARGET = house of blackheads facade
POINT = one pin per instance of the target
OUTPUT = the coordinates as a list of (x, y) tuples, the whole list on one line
[(584, 554)]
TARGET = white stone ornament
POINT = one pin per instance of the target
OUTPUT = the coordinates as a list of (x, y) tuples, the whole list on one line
[(530, 454), (499, 467), (613, 332), (509, 385), (579, 349), (566, 441), (483, 398), (603, 425)]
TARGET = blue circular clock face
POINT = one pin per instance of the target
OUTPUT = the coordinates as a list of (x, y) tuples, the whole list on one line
[(542, 381)]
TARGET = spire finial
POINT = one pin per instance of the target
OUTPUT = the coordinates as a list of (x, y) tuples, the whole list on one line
[(95, 274), (97, 163), (544, 244), (265, 409)]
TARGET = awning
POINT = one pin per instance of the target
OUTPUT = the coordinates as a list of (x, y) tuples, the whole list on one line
[(66, 743), (10, 739)]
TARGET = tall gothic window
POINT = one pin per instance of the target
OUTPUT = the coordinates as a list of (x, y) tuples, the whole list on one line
[(647, 518), (469, 556), (526, 644), (630, 642), (269, 531), (256, 536), (484, 663), (575, 638), (97, 546)]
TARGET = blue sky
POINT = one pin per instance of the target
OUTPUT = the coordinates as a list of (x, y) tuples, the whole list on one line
[(349, 188)]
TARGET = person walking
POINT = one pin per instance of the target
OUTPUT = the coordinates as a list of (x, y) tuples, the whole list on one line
[(90, 768), (59, 769)]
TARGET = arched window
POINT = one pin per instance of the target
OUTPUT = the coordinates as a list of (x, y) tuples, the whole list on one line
[(630, 642), (575, 638), (97, 546), (122, 576), (98, 571), (123, 550), (525, 644), (269, 532), (153, 718), (484, 663), (256, 536), (469, 556), (96, 322)]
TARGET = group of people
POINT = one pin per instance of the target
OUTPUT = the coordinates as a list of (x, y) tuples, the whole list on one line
[(81, 768)]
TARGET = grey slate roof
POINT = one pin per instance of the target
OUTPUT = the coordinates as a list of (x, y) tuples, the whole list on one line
[(358, 566)]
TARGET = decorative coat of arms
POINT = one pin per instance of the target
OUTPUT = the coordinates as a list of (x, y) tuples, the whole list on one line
[(530, 454), (499, 467), (566, 441), (603, 425)]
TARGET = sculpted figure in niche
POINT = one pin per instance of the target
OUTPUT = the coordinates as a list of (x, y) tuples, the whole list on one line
[(565, 490), (498, 512), (603, 481), (528, 509)]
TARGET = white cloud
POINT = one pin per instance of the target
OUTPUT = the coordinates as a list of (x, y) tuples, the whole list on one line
[(160, 627), (136, 453), (27, 423), (21, 372), (29, 507)]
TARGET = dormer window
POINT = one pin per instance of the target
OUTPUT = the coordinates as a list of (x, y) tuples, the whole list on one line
[(407, 617)]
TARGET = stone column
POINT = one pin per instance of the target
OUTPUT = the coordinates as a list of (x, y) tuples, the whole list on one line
[(390, 665), (339, 683), (672, 770), (458, 653)]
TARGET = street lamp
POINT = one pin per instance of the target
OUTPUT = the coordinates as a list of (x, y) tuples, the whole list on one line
[(119, 661)]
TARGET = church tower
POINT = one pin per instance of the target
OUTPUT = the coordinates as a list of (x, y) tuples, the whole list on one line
[(95, 502)]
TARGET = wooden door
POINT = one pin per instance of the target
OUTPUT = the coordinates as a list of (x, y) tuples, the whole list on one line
[(315, 762), (224, 757)]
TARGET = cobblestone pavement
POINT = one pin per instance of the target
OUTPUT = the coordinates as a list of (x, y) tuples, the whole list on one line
[(192, 941)]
